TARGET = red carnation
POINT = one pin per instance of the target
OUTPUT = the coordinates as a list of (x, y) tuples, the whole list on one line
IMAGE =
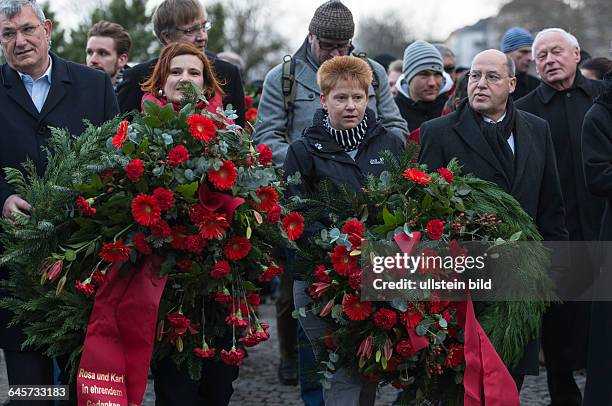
[(204, 352), (115, 252), (84, 206), (86, 288), (268, 197), (454, 356), (236, 320), (353, 227), (250, 340), (435, 229), (121, 134), (248, 102), (195, 244), (220, 270), (134, 169), (293, 224), (253, 299), (385, 318), (271, 272), (233, 357), (320, 274), (161, 229), (355, 309), (405, 348), (177, 155), (273, 215), (342, 261), (225, 177), (212, 225), (164, 197), (98, 277), (145, 210), (201, 127), (179, 323), (223, 297), (179, 235), (251, 114), (265, 154), (416, 176), (237, 248), (354, 278), (411, 317), (141, 244), (446, 174)]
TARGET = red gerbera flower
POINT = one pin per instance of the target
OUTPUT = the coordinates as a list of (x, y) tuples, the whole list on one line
[(220, 270), (204, 352), (320, 274), (115, 252), (141, 244), (273, 215), (233, 357), (212, 225), (177, 155), (225, 177), (454, 356), (251, 114), (84, 206), (342, 262), (416, 176), (201, 127), (237, 248), (385, 319), (435, 229), (164, 197), (121, 134), (293, 224), (134, 169), (268, 197), (145, 210), (446, 175), (411, 317), (355, 309), (161, 229), (265, 154)]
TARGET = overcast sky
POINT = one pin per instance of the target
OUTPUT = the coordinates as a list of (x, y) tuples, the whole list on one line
[(434, 19)]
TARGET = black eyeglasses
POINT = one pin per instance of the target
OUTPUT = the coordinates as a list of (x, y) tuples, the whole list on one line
[(330, 46), (194, 30), (450, 68)]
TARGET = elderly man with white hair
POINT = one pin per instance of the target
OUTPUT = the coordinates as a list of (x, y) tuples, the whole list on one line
[(562, 99)]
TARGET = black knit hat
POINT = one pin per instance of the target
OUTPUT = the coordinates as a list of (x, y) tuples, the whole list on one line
[(332, 20)]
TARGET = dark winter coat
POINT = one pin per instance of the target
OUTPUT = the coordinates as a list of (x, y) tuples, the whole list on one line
[(565, 330), (130, 95), (525, 84), (597, 153), (416, 113), (536, 181), (316, 157), (77, 93)]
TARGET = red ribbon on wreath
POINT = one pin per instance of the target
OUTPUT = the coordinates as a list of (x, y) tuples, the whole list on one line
[(485, 372), (120, 336)]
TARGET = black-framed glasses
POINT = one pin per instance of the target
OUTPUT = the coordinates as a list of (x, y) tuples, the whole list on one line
[(195, 29), (27, 31), (330, 46), (490, 77)]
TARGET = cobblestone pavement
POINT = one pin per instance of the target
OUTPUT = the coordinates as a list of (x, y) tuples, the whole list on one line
[(258, 384)]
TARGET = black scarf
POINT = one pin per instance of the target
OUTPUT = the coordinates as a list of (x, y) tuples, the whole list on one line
[(497, 135), (351, 138)]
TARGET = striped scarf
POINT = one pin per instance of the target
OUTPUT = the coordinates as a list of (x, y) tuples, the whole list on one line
[(351, 138)]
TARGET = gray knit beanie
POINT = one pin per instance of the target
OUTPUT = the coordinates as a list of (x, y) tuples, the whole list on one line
[(332, 20), (420, 56)]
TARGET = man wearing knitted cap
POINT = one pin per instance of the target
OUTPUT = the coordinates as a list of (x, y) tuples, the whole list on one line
[(516, 43), (287, 106), (419, 97)]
